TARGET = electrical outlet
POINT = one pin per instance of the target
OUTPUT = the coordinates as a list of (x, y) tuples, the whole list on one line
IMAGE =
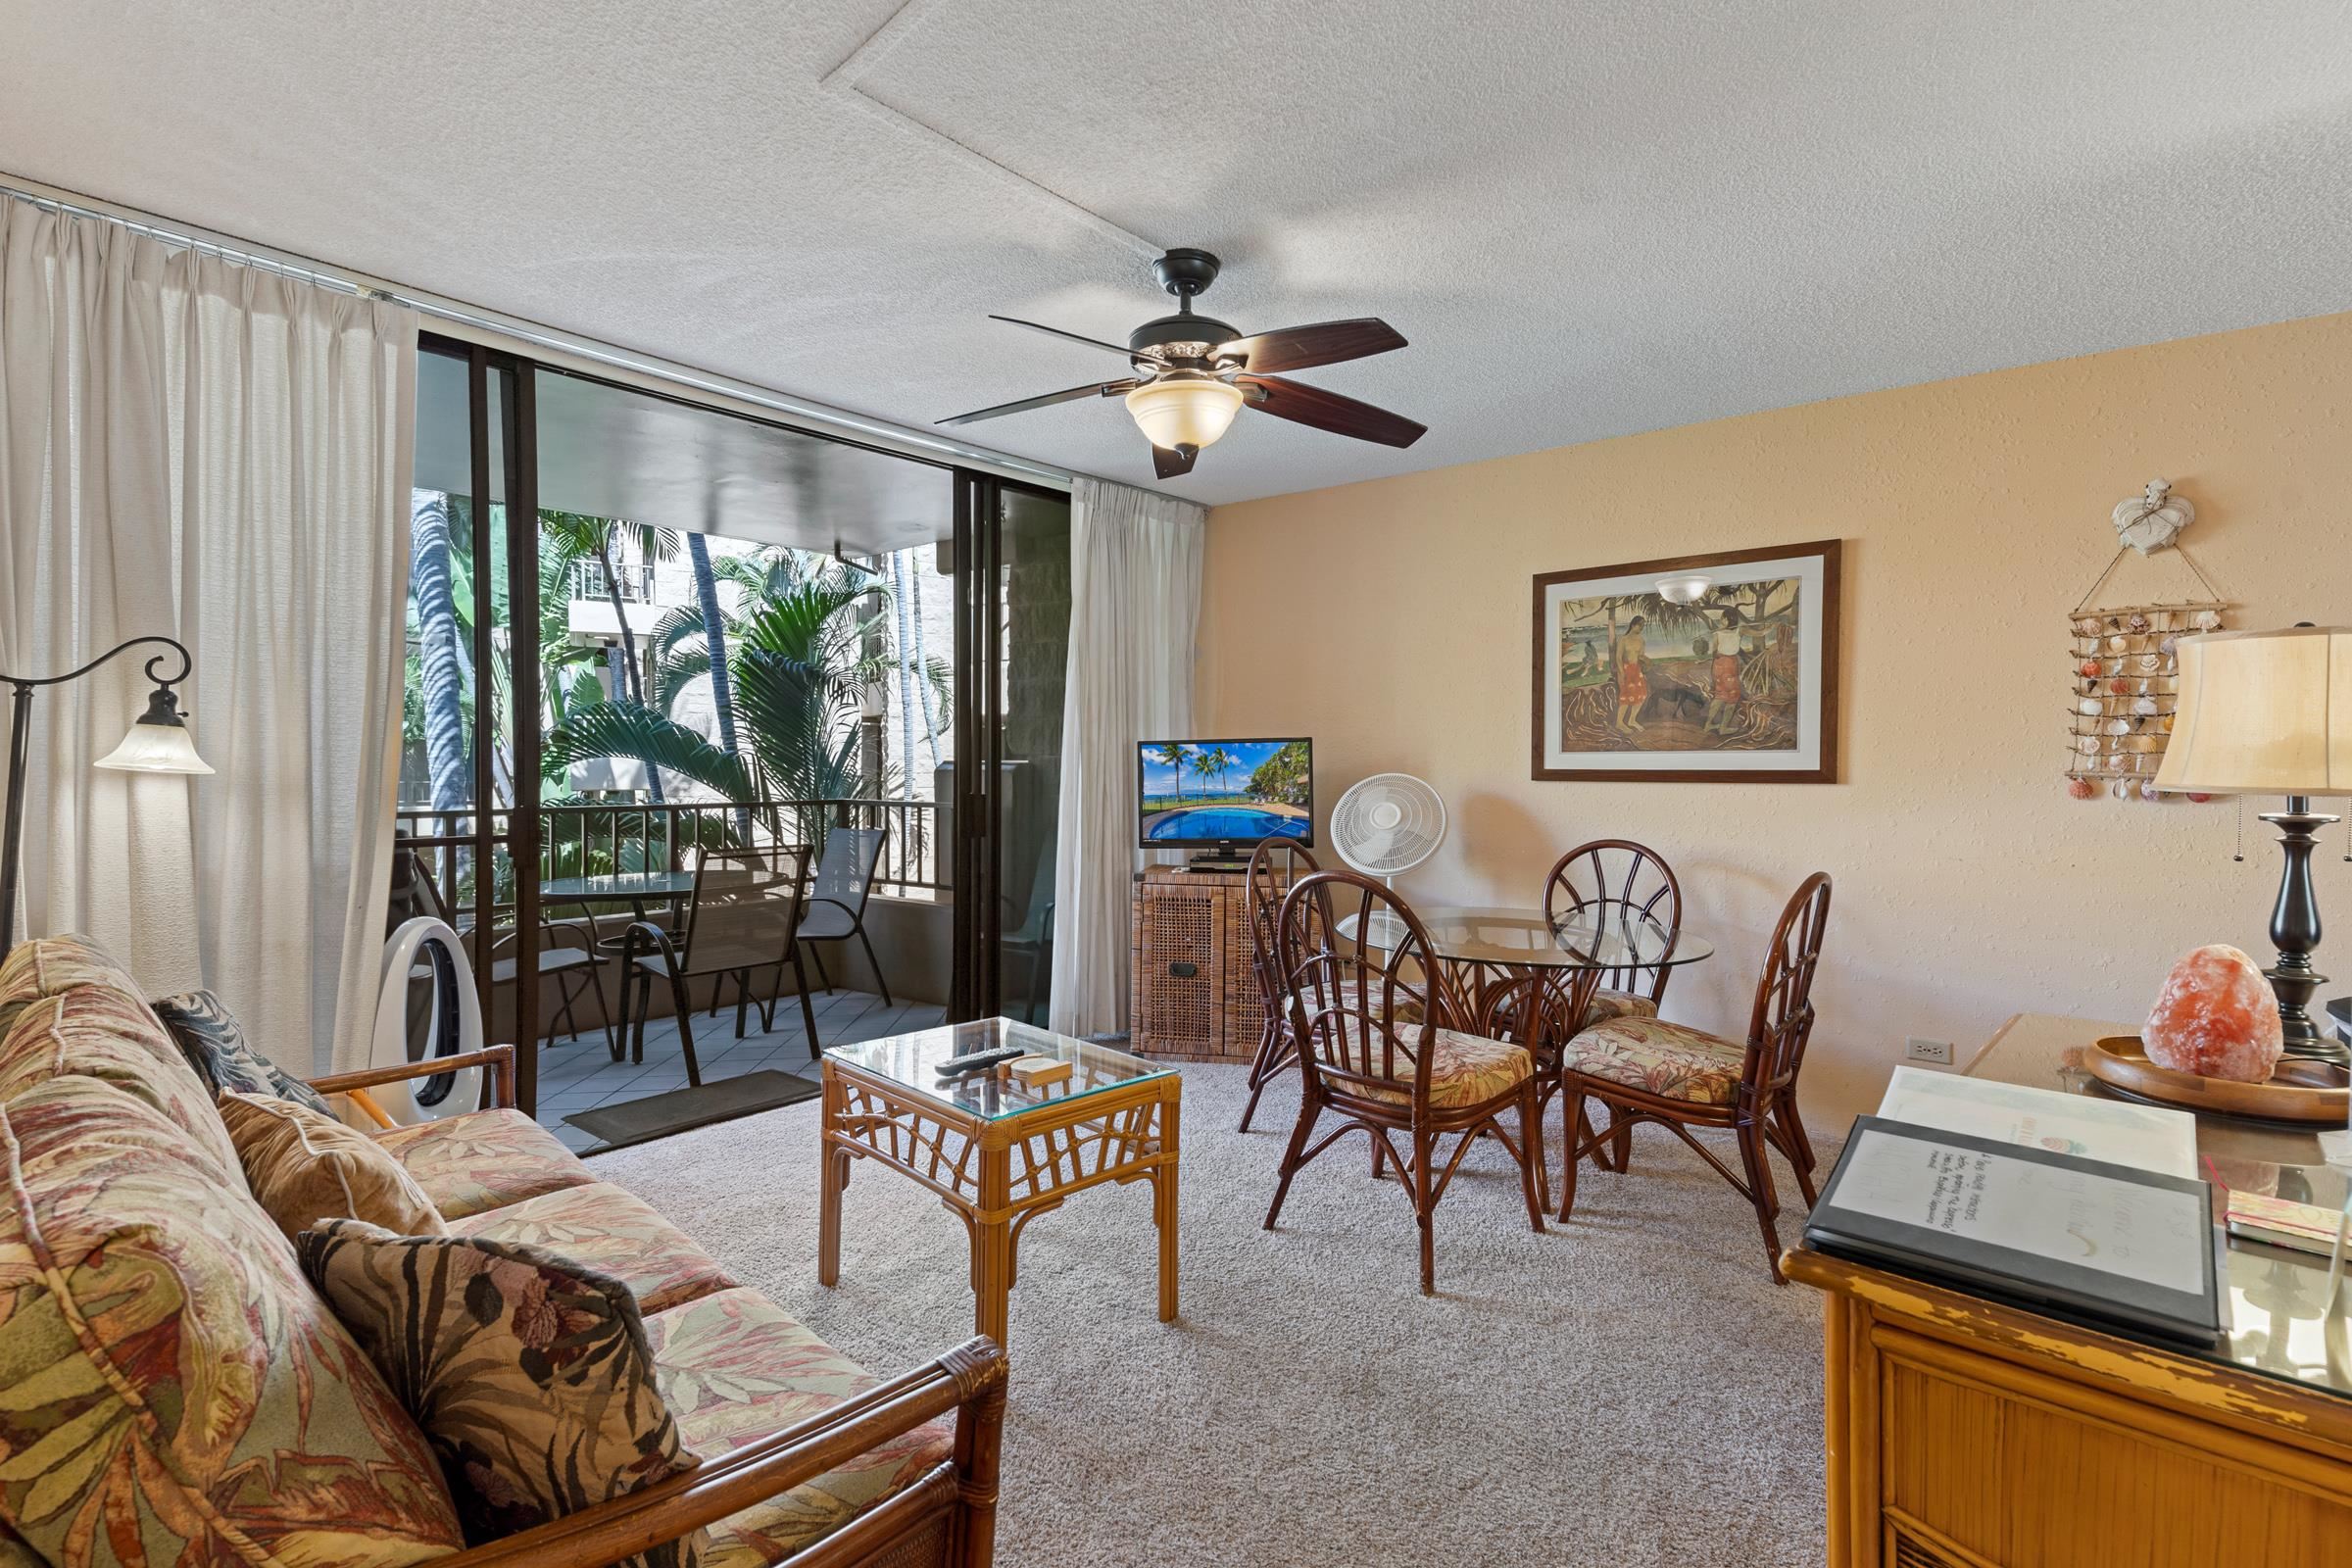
[(1936, 1051)]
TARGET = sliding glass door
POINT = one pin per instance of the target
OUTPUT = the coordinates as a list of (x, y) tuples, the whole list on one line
[(646, 636), (1012, 638)]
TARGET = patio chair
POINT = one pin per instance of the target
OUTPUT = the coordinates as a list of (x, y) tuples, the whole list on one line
[(566, 951), (844, 879), (747, 911)]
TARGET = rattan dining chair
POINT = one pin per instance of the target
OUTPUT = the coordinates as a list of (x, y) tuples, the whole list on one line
[(1646, 1069), (845, 880), (745, 918), (566, 951), (1275, 865), (1612, 878), (1375, 1049)]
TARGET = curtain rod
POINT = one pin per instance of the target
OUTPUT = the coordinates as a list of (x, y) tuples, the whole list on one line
[(495, 325)]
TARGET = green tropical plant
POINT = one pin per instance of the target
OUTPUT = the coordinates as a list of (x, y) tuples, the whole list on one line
[(1172, 754), (795, 666)]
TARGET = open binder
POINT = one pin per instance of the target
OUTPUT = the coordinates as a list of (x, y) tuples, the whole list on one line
[(2105, 1245)]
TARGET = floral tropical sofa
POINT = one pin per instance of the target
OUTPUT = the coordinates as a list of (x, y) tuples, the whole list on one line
[(174, 1391)]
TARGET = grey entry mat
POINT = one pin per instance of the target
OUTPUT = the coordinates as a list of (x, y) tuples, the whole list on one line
[(677, 1110)]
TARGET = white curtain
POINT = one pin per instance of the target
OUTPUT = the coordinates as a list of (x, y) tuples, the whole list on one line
[(218, 454), (1135, 597)]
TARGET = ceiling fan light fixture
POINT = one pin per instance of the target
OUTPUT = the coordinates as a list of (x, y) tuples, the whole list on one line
[(1184, 409)]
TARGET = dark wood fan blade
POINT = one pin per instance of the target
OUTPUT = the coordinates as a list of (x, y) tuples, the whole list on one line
[(1295, 348), (1092, 389), (1055, 331), (1168, 464), (1302, 403)]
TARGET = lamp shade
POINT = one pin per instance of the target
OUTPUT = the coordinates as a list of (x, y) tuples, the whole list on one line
[(2263, 713), (1184, 411), (152, 747)]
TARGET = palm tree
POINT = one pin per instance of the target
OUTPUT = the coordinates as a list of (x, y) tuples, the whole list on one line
[(443, 681), (1172, 754), (714, 644), (1204, 764), (795, 668), (599, 537)]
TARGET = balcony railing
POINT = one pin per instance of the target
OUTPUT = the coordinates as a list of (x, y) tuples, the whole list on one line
[(594, 840)]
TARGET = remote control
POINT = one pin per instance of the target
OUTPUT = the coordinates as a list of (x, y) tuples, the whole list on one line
[(977, 1062)]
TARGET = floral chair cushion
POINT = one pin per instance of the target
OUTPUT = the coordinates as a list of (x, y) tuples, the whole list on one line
[(601, 1227), (736, 1368), (76, 1014), (483, 1159), (209, 1035), (1609, 1005), (1463, 1070), (305, 1168), (1667, 1059), (172, 1389), (529, 1373)]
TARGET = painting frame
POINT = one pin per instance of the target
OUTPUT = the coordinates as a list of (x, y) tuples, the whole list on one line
[(1813, 760)]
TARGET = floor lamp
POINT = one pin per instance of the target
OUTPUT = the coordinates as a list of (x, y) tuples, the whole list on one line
[(2269, 712), (157, 743)]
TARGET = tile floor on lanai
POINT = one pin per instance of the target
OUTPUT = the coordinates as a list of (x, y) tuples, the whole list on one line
[(579, 1077)]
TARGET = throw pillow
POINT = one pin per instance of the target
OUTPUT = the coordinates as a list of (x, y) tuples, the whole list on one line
[(305, 1168), (209, 1036), (529, 1374)]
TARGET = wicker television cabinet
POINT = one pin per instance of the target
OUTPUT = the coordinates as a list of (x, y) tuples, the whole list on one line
[(1193, 998)]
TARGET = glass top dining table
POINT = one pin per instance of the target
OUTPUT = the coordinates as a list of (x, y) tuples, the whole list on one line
[(1614, 938)]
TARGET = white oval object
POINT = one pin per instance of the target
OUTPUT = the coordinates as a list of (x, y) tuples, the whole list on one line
[(2207, 620), (2143, 705), (2087, 745), (410, 956)]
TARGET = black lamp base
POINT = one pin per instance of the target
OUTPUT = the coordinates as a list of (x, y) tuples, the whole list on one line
[(2295, 932)]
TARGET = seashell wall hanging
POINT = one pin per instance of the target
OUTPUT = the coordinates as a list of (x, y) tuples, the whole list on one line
[(2123, 673)]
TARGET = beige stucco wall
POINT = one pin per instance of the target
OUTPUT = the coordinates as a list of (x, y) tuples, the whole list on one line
[(1390, 620)]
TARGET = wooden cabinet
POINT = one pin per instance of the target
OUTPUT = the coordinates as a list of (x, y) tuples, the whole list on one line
[(1193, 996), (1963, 1434)]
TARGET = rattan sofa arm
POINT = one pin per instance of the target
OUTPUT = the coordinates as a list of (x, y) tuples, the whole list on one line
[(499, 1059), (969, 1378)]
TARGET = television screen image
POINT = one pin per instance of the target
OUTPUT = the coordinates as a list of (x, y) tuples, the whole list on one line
[(1230, 793)]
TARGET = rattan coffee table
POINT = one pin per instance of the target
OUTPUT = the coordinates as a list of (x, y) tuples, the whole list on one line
[(998, 1152)]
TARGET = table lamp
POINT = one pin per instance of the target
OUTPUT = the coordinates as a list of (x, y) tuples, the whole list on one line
[(2269, 712), (158, 743)]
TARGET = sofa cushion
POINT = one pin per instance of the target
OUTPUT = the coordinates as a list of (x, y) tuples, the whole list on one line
[(214, 1043), (735, 1368), (528, 1372), (483, 1159), (75, 1012), (1671, 1060), (604, 1228), (172, 1389), (305, 1168)]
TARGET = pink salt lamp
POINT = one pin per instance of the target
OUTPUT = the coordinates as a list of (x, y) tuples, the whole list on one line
[(2217, 1018)]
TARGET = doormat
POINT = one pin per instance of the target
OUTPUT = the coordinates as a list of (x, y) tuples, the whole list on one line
[(639, 1121)]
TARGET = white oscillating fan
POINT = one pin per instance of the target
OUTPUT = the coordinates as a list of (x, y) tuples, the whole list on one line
[(1386, 824)]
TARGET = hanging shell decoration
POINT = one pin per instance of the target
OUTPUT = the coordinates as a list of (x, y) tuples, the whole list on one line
[(2124, 662)]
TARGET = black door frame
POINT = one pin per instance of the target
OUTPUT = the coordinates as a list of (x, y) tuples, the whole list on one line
[(977, 986)]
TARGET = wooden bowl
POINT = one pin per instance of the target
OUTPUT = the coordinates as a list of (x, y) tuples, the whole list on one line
[(2300, 1091)]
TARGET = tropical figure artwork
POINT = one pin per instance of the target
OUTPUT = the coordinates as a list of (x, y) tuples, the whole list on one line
[(1627, 680)]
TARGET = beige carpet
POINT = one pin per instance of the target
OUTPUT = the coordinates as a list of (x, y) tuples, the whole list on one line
[(1629, 1390)]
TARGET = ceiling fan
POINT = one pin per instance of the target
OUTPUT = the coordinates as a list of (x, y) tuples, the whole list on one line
[(1193, 373)]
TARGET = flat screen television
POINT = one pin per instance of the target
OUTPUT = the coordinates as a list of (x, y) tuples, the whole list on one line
[(1222, 795)]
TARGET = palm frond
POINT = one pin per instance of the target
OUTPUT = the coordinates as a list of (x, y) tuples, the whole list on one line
[(628, 729)]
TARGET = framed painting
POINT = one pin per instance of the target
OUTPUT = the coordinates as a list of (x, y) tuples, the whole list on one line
[(1737, 686)]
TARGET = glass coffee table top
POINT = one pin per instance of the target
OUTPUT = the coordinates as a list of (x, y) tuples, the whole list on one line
[(911, 1061), (1613, 939)]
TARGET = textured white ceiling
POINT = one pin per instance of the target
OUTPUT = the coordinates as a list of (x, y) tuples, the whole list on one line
[(1590, 217)]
